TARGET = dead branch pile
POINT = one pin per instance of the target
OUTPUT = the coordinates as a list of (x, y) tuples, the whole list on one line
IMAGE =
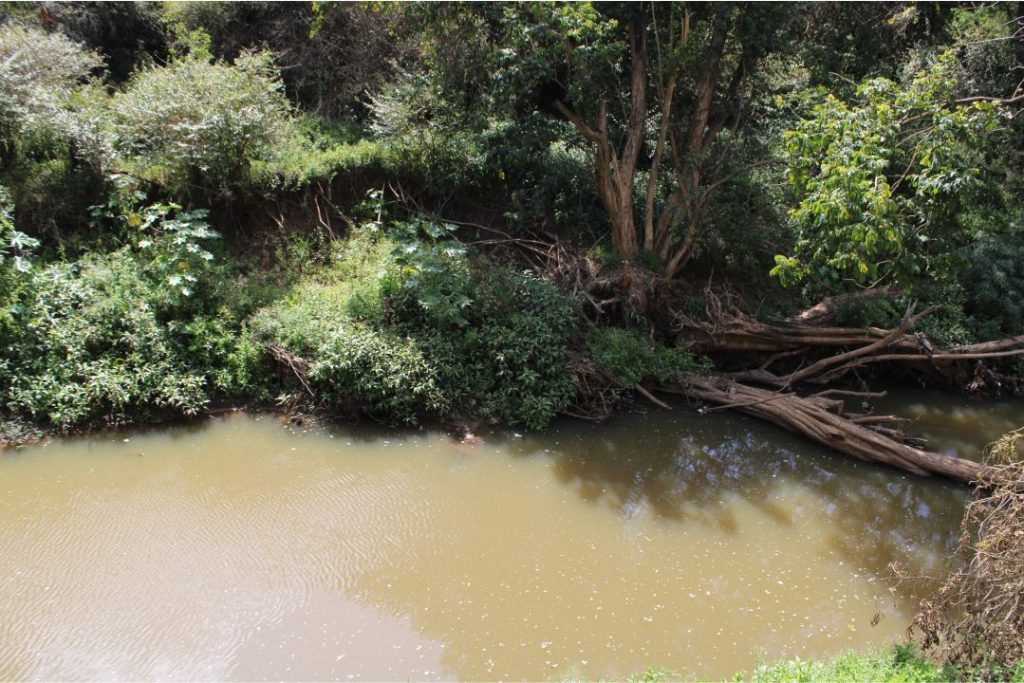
[(597, 394), (728, 330), (298, 365), (793, 353), (976, 620)]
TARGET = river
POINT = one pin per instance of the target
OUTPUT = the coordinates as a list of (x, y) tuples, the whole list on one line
[(242, 548)]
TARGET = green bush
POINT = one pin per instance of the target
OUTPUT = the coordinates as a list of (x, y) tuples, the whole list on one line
[(995, 295), (52, 139), (350, 366), (40, 77), (631, 358), (412, 327), (88, 346), (112, 337), (14, 246), (545, 178), (193, 124), (301, 160)]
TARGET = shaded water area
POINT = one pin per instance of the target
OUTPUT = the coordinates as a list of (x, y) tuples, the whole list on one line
[(238, 548)]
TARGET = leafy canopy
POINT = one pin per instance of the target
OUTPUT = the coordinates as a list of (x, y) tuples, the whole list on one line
[(880, 182)]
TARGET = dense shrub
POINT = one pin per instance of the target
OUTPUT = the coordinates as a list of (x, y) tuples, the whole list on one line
[(89, 346), (129, 35), (119, 336), (51, 134), (545, 179), (196, 125), (498, 341), (40, 74), (302, 160), (414, 327), (429, 134), (630, 358), (350, 365), (14, 246), (337, 51), (995, 297)]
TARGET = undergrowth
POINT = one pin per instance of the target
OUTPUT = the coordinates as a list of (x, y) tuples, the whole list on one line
[(406, 331)]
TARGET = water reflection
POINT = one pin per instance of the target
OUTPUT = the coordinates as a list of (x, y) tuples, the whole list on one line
[(693, 469), (244, 549), (953, 424)]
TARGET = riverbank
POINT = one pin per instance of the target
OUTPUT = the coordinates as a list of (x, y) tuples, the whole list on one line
[(400, 328)]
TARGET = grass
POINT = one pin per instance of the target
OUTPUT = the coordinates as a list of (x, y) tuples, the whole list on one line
[(901, 663)]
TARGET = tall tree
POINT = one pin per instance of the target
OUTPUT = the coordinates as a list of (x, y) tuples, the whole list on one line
[(681, 69)]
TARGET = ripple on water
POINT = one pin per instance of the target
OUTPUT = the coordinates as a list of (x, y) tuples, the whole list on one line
[(241, 550)]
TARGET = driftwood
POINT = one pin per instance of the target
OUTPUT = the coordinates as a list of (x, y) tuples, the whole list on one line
[(821, 419), (729, 330), (976, 619), (828, 308), (809, 354)]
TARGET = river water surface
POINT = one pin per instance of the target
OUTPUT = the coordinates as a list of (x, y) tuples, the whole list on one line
[(240, 548)]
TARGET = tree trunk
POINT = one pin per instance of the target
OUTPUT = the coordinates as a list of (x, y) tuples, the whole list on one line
[(821, 420)]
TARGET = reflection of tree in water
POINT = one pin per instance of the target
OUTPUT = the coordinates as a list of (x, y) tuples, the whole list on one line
[(953, 424), (693, 468), (688, 470)]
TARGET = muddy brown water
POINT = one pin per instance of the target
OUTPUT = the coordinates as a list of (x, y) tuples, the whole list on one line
[(241, 549)]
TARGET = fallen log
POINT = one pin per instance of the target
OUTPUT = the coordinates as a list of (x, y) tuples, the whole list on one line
[(822, 420), (729, 330)]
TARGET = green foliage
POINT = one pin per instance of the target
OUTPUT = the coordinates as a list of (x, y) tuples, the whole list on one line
[(630, 358), (336, 52), (546, 179), (412, 327), (431, 268), (654, 675), (14, 245), (174, 246), (429, 133), (88, 345), (987, 43), (40, 76), (542, 36), (499, 339), (51, 134), (352, 365), (129, 35), (994, 300), (151, 327), (193, 124), (900, 664), (947, 325), (879, 183)]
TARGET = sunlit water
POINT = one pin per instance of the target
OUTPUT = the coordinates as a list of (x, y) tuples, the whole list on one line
[(238, 548)]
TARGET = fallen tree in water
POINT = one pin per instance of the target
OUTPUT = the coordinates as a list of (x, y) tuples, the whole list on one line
[(761, 364), (767, 393), (822, 418)]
